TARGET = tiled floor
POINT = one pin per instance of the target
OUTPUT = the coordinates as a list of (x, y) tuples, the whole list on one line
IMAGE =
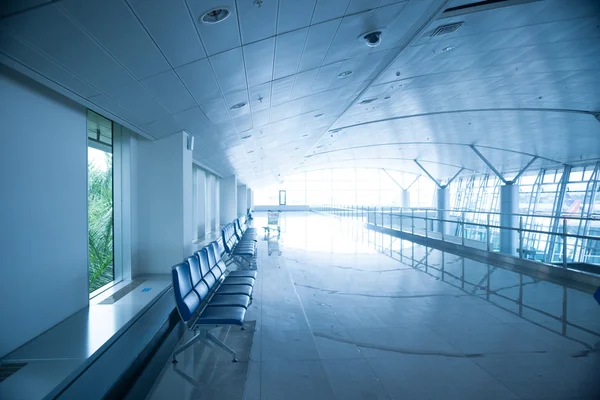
[(336, 319)]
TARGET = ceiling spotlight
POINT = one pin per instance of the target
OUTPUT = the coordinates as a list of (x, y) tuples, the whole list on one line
[(318, 115), (367, 101), (238, 105), (215, 15), (445, 49), (344, 74)]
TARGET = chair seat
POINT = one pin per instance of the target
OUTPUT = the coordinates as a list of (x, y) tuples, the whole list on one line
[(243, 252), (242, 274), (239, 300), (222, 316), (234, 289), (238, 281)]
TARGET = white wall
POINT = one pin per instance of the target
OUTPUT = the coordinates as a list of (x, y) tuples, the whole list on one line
[(43, 209), (165, 228), (228, 199), (242, 199)]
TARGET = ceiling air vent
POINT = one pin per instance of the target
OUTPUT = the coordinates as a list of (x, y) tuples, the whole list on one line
[(9, 368), (445, 29)]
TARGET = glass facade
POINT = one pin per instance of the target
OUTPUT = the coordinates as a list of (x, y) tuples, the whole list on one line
[(361, 186)]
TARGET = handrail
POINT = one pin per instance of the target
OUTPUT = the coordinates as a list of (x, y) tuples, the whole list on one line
[(594, 217), (582, 248)]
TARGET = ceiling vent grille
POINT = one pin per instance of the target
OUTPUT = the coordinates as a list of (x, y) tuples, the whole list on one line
[(7, 369), (445, 29)]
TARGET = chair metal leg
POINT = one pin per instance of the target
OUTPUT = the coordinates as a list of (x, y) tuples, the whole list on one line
[(222, 345), (197, 337)]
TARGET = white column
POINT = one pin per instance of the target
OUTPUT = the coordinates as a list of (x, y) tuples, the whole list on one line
[(443, 201), (405, 198), (228, 199), (201, 204), (249, 198), (242, 200), (165, 184), (509, 205)]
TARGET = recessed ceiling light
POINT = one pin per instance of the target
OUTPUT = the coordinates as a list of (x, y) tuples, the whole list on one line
[(344, 74), (318, 115), (367, 101), (246, 137), (238, 105), (215, 15), (448, 48)]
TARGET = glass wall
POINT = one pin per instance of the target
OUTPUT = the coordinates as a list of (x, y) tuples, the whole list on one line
[(100, 201), (349, 186)]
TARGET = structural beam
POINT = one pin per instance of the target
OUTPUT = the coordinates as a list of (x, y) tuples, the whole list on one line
[(392, 178), (454, 177), (413, 182), (525, 168), (427, 173), (489, 164)]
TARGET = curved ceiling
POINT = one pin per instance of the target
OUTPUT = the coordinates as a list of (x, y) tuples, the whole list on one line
[(518, 79)]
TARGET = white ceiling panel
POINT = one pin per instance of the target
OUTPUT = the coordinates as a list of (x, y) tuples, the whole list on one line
[(47, 28), (33, 59), (168, 88), (137, 98), (516, 81), (220, 37), (289, 51), (171, 26), (317, 44), (294, 14), (257, 20), (228, 68), (195, 121), (116, 28), (327, 10), (164, 127), (258, 58), (198, 77), (110, 105)]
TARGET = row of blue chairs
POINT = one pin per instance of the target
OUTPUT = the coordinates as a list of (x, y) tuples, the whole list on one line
[(207, 293), (239, 241)]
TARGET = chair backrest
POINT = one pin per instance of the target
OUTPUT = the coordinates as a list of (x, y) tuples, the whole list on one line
[(237, 230), (195, 272), (205, 268), (186, 298), (242, 221), (212, 259), (228, 236)]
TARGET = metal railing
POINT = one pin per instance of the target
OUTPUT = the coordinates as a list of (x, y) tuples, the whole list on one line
[(527, 236)]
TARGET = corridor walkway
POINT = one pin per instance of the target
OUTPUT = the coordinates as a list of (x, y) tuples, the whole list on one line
[(336, 319)]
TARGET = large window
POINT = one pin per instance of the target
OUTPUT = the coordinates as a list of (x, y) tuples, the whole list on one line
[(100, 201)]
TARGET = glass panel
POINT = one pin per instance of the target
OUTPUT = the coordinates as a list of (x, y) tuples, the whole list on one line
[(100, 203)]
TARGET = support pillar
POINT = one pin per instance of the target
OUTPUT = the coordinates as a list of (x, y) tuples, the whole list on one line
[(405, 198), (242, 200), (509, 205), (250, 199), (228, 199), (443, 201)]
